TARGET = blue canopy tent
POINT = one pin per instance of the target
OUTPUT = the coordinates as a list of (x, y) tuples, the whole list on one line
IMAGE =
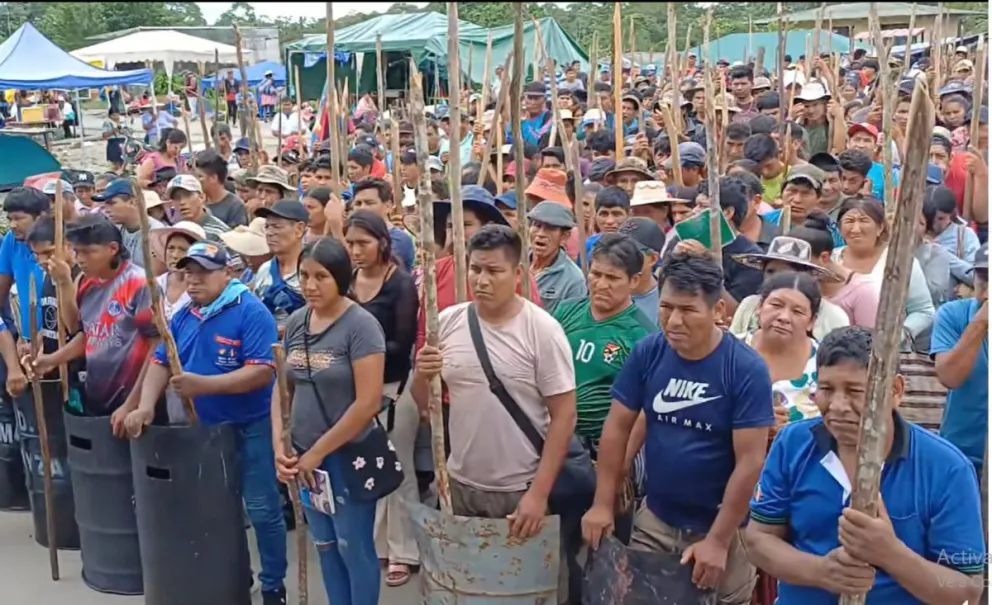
[(29, 60), (255, 74), (736, 47)]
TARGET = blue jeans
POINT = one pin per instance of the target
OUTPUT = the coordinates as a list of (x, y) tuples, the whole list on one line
[(345, 543), (263, 502)]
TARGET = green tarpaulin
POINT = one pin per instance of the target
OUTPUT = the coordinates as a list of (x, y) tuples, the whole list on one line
[(734, 47), (559, 44)]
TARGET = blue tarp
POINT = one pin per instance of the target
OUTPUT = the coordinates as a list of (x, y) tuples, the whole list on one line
[(29, 60), (734, 47), (255, 74)]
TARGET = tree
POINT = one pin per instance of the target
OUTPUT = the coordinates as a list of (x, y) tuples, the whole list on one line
[(241, 12)]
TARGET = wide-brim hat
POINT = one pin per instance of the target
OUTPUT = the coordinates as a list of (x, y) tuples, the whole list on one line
[(247, 240), (549, 185), (158, 239), (651, 192), (789, 250), (482, 204), (635, 165)]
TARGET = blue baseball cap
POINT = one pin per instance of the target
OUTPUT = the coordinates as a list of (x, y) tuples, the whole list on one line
[(508, 199), (209, 255), (934, 175), (115, 188)]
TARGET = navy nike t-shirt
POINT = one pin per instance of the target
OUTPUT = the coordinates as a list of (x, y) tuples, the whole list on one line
[(692, 409)]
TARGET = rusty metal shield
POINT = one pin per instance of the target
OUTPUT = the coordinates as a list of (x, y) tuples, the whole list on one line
[(617, 575), (471, 561)]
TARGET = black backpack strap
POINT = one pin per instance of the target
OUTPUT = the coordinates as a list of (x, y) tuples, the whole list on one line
[(496, 386)]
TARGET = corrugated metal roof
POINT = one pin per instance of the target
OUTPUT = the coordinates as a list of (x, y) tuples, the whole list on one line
[(860, 10)]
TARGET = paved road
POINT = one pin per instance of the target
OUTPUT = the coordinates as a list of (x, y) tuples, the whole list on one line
[(25, 578)]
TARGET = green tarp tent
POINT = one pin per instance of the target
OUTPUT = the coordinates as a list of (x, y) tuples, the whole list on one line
[(424, 38), (734, 47)]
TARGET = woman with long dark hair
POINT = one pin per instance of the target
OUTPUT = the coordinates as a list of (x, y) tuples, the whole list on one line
[(385, 290), (335, 353), (316, 199), (169, 154)]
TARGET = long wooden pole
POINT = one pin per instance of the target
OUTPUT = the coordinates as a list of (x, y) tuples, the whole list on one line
[(426, 243), (884, 361), (175, 365), (332, 106), (394, 146), (676, 71), (201, 109), (486, 90), (518, 138), (883, 93), (594, 76), (572, 160), (936, 52), (42, 425), (216, 97), (617, 82), (454, 157), (189, 135), (673, 137), (60, 256), (285, 404), (780, 61), (251, 108), (712, 161), (907, 55), (380, 84), (501, 96), (976, 110)]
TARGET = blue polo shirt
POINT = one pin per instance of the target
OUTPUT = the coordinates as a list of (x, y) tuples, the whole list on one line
[(967, 411), (692, 409), (929, 489), (775, 217), (240, 334), (18, 262)]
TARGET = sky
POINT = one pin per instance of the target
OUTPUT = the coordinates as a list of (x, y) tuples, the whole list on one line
[(314, 10)]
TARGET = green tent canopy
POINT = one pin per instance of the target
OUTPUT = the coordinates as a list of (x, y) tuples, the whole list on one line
[(561, 47), (734, 47)]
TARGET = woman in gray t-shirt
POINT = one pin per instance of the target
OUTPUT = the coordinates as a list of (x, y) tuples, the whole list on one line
[(335, 355)]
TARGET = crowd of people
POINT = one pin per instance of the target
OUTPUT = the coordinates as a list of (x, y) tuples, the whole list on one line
[(721, 402)]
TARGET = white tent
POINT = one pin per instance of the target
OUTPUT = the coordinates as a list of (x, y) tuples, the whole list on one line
[(166, 46)]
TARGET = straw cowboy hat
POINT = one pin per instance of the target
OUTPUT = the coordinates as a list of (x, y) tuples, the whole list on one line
[(631, 164), (651, 192), (789, 250), (159, 238), (247, 241)]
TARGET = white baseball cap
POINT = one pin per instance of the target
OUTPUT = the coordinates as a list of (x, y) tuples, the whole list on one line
[(186, 182)]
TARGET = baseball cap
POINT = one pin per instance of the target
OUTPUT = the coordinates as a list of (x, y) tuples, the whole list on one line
[(164, 175), (935, 175), (291, 210), (509, 199), (242, 145), (982, 257), (535, 89), (186, 182), (552, 214), (367, 140), (49, 188), (115, 188), (690, 154), (645, 232), (434, 163), (85, 179), (209, 255), (862, 127), (806, 173)]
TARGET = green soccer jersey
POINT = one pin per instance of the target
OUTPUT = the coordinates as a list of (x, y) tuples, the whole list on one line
[(599, 350)]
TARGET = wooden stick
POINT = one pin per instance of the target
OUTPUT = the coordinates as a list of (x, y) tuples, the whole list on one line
[(189, 136), (426, 243), (379, 81), (673, 58), (151, 90), (454, 156), (201, 110), (811, 57), (617, 83), (673, 137), (721, 133), (976, 109), (759, 62), (572, 161), (750, 40), (216, 96), (42, 425), (279, 142), (556, 125), (485, 84), (60, 256), (251, 109), (688, 39), (285, 404), (633, 43), (468, 74), (884, 362), (504, 93), (332, 106), (888, 100), (712, 162), (780, 62), (175, 366), (936, 52), (594, 76), (394, 145), (518, 138), (907, 55)]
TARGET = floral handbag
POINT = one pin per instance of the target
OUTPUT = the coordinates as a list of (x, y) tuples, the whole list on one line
[(371, 468)]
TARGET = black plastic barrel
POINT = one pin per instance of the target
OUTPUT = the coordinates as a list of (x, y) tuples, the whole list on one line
[(108, 531), (13, 491), (187, 491), (66, 530)]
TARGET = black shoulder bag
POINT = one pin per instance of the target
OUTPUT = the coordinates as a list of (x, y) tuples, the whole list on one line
[(371, 468), (576, 484)]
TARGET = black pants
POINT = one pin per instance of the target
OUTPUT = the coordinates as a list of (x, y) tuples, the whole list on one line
[(232, 112)]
